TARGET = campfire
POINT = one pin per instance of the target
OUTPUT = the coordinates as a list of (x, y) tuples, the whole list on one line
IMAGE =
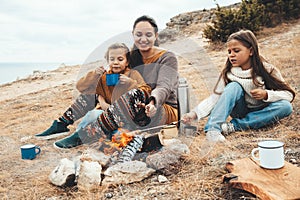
[(126, 158), (118, 141), (121, 140), (127, 144)]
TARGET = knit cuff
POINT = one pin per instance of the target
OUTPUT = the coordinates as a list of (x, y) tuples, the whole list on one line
[(152, 98)]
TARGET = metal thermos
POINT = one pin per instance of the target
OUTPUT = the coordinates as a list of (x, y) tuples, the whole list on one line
[(184, 99)]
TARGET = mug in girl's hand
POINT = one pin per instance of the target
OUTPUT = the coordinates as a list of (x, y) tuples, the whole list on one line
[(29, 151), (271, 154), (112, 79)]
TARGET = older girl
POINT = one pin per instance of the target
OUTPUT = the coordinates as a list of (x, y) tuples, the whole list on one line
[(250, 90)]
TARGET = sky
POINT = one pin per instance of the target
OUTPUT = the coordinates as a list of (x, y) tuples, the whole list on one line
[(69, 31)]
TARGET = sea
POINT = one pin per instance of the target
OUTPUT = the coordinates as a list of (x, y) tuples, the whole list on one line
[(11, 71)]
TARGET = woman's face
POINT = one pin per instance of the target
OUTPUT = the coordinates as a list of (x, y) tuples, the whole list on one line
[(144, 36), (117, 60)]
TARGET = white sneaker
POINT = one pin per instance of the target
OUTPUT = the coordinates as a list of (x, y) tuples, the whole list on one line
[(227, 128), (214, 136)]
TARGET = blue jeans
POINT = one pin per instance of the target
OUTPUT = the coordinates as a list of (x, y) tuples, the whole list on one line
[(232, 102), (90, 117)]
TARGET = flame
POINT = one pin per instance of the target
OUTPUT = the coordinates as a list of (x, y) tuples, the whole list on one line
[(121, 140)]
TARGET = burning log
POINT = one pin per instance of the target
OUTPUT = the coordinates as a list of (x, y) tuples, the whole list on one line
[(133, 141), (131, 148)]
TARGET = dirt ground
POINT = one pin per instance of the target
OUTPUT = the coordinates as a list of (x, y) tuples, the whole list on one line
[(29, 106)]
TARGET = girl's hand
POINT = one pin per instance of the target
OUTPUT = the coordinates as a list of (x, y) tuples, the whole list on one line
[(188, 118), (150, 109), (125, 79), (102, 103), (100, 70), (259, 94)]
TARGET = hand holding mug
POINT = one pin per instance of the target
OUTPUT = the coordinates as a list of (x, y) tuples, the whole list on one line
[(125, 79), (188, 118)]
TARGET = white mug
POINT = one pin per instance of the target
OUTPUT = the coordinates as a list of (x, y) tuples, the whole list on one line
[(271, 154)]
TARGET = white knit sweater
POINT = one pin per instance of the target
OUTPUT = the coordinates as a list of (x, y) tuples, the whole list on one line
[(243, 77)]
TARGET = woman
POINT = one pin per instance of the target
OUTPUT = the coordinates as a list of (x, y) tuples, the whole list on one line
[(158, 67), (249, 89), (137, 109)]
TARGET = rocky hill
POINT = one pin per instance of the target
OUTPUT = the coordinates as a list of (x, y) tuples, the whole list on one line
[(189, 23)]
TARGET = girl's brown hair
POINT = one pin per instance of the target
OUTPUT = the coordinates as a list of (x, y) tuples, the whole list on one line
[(248, 39), (118, 46)]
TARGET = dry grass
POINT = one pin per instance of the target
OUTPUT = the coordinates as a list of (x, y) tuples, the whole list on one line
[(198, 176)]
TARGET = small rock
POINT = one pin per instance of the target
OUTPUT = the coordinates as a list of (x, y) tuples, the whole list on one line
[(288, 151), (162, 159), (179, 149), (94, 155), (162, 179), (126, 172), (152, 191), (64, 173), (89, 175), (109, 195), (293, 161), (25, 138)]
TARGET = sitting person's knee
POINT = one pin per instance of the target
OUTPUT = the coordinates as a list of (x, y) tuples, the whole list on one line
[(283, 107), (287, 106)]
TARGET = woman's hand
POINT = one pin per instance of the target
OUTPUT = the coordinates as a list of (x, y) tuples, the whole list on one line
[(259, 94), (188, 118), (150, 109)]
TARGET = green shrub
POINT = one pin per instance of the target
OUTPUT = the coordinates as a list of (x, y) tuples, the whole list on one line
[(278, 11), (252, 15)]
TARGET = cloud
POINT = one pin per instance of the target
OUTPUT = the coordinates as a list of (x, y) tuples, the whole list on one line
[(61, 31)]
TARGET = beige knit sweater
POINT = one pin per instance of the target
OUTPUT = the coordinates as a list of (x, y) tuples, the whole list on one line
[(243, 77)]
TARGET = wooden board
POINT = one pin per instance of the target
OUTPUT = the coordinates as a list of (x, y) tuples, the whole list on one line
[(267, 184)]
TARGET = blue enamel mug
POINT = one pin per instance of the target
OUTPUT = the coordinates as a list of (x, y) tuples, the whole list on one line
[(112, 79), (29, 151)]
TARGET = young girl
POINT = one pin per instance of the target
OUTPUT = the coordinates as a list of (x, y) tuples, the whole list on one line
[(117, 57), (249, 89)]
